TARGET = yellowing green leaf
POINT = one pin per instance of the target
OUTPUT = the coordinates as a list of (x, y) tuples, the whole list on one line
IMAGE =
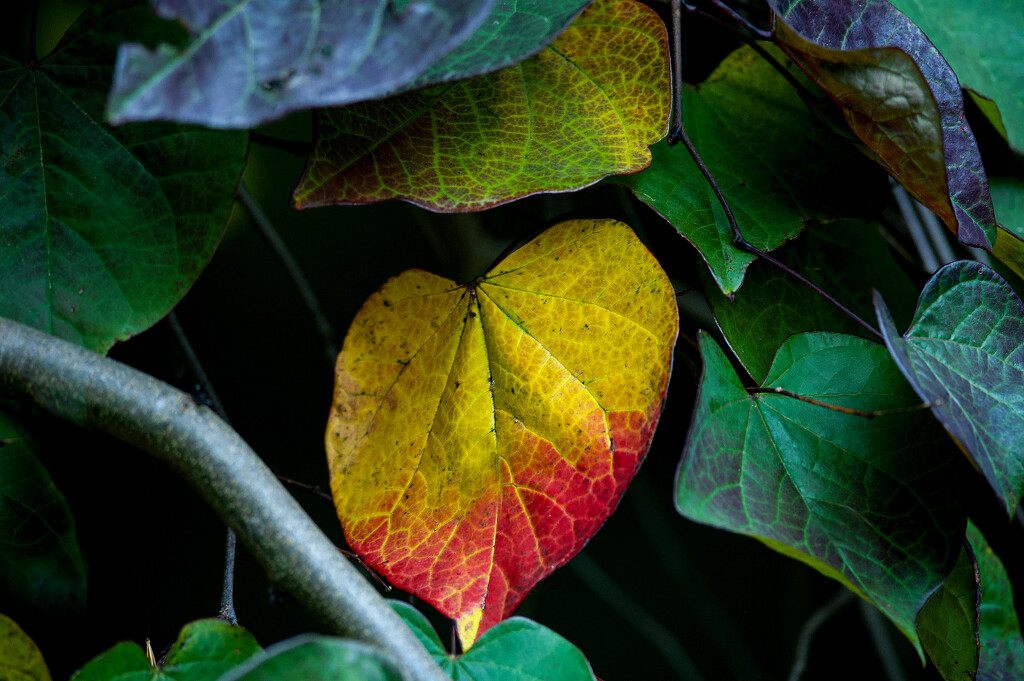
[(20, 659), (585, 107), (481, 433)]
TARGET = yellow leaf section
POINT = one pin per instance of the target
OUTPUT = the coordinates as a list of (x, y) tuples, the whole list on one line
[(1010, 249), (482, 433), (586, 107), (20, 659)]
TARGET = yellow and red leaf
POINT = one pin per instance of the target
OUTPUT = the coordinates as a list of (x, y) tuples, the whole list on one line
[(482, 433)]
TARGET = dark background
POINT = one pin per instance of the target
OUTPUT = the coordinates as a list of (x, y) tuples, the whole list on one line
[(653, 596)]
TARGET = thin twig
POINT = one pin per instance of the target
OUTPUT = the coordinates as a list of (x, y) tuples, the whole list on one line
[(739, 19), (227, 594), (290, 265), (90, 390), (810, 628), (305, 487), (197, 367)]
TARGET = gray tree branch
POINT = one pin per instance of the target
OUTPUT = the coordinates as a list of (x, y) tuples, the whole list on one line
[(94, 391)]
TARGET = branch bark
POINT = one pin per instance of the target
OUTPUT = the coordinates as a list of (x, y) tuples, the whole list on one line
[(94, 391)]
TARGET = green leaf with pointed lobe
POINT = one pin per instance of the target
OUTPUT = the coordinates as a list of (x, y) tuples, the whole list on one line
[(1002, 647), (900, 97), (777, 165), (981, 40), (41, 566), (205, 650), (516, 649), (964, 354), (20, 659), (250, 61), (948, 623), (585, 107), (846, 258), (870, 502), (103, 229)]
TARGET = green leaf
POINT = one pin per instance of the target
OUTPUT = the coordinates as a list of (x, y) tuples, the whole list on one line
[(777, 165), (41, 565), (585, 107), (981, 40), (248, 62), (317, 658), (20, 659), (964, 354), (103, 229), (900, 97), (516, 649), (870, 502), (205, 651), (948, 623), (845, 258), (1002, 647), (124, 662)]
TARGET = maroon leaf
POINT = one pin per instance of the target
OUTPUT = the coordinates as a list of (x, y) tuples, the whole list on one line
[(900, 97)]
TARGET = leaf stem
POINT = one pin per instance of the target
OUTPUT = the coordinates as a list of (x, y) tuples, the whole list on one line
[(291, 266), (846, 410), (95, 391)]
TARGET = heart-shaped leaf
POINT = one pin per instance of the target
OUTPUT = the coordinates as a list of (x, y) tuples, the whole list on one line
[(249, 61), (205, 651), (981, 41), (870, 502), (1002, 647), (900, 97), (585, 107), (103, 229), (41, 566), (964, 354), (845, 258), (517, 649), (948, 623), (776, 164), (20, 659), (482, 433)]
